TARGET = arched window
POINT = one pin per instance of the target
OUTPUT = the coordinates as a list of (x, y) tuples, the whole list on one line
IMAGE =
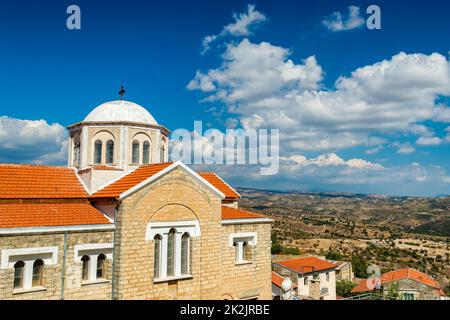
[(38, 267), (85, 273), (18, 274), (76, 155), (98, 152), (146, 152), (157, 256), (101, 266), (185, 253), (245, 251), (171, 253), (135, 152), (162, 153), (110, 151)]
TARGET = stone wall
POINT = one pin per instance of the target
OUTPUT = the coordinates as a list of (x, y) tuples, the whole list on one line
[(179, 197), (52, 274)]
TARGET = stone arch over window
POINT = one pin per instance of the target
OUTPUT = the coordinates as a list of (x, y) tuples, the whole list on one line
[(172, 248), (102, 141), (140, 152)]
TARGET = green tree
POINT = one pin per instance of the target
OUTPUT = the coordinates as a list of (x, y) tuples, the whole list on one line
[(344, 288), (392, 291), (359, 266), (333, 254), (447, 290), (276, 248)]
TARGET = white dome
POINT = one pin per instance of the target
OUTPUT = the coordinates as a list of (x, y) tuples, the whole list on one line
[(120, 111)]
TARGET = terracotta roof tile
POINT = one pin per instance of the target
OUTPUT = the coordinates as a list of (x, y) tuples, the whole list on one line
[(306, 264), (39, 182), (407, 273), (278, 280), (217, 182), (115, 189), (234, 213), (21, 215)]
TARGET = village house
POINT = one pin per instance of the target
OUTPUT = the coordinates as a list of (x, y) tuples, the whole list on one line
[(314, 278), (343, 270), (408, 283), (122, 222)]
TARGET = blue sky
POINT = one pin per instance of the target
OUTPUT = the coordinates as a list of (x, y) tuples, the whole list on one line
[(382, 130)]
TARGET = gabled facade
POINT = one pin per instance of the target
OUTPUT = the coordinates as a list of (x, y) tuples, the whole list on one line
[(408, 283), (145, 229)]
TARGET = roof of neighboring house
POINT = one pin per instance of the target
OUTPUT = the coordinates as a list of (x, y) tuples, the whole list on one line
[(278, 280), (366, 285), (116, 188), (408, 273), (39, 182), (22, 215), (217, 182), (235, 213), (307, 264)]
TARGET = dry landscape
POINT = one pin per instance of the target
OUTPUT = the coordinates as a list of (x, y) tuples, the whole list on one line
[(392, 232)]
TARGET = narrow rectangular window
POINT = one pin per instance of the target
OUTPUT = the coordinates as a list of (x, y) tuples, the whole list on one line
[(185, 254), (157, 257), (305, 281), (18, 274), (171, 253)]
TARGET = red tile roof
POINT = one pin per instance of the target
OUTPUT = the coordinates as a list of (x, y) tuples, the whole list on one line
[(407, 273), (366, 285), (21, 215), (115, 189), (306, 264), (217, 182), (233, 213), (39, 182), (278, 280)]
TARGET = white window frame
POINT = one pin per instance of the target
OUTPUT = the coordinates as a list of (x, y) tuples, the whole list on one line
[(163, 228), (49, 255), (93, 250), (251, 238)]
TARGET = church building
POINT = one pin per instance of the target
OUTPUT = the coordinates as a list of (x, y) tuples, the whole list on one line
[(123, 222)]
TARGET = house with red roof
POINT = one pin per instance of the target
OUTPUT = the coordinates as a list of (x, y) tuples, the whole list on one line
[(314, 278), (122, 222), (409, 283)]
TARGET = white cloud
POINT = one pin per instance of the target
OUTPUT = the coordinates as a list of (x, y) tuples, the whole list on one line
[(262, 87), (32, 141), (243, 26), (332, 159), (429, 141), (403, 148), (441, 114), (336, 21)]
